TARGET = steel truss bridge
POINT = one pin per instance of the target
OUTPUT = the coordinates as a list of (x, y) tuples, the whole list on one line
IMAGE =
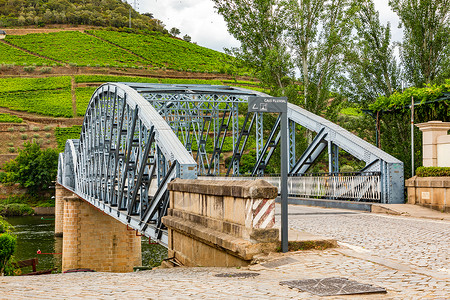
[(137, 137)]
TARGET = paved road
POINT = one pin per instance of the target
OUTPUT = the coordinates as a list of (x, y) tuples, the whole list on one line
[(420, 243), (408, 257)]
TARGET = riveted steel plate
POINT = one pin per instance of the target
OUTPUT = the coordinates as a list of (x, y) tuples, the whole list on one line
[(333, 286)]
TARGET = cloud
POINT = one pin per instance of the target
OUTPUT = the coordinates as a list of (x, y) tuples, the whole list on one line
[(198, 19), (194, 18)]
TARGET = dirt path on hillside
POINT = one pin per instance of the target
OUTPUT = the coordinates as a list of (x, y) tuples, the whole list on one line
[(47, 29)]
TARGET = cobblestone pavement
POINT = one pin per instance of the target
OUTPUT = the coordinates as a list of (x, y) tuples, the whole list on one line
[(200, 283), (408, 257), (421, 243)]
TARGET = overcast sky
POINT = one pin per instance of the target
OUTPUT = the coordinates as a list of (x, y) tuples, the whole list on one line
[(198, 19)]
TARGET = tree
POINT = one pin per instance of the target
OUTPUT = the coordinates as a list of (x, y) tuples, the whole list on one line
[(425, 51), (7, 248), (259, 25), (372, 69), (174, 31), (187, 38), (319, 31), (33, 168)]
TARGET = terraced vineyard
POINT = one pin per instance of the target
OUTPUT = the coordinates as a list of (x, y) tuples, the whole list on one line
[(16, 84), (102, 48), (13, 56), (163, 51), (46, 96), (74, 47)]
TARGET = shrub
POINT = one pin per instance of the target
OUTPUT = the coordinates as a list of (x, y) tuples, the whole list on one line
[(33, 168), (433, 171), (29, 69), (45, 70), (35, 128), (47, 128), (11, 129), (24, 136), (22, 129), (47, 135), (11, 149), (8, 245), (5, 227), (15, 209)]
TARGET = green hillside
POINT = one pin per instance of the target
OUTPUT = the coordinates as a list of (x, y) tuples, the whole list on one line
[(106, 13), (52, 96), (114, 49)]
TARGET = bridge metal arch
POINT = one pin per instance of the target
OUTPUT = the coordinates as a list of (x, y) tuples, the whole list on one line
[(137, 137), (124, 159)]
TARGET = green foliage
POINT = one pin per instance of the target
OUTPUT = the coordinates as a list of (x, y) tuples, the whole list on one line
[(7, 118), (66, 133), (8, 245), (259, 27), (56, 103), (76, 47), (5, 227), (87, 12), (425, 49), (351, 111), (33, 168), (433, 172), (11, 55), (15, 209), (111, 78), (370, 62), (167, 52), (47, 96), (247, 162), (83, 95), (37, 200), (403, 100)]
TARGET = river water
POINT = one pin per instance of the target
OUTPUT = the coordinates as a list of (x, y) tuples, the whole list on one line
[(36, 233)]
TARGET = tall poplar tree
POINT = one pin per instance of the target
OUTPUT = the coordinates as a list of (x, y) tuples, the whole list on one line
[(258, 25), (319, 32), (371, 66), (425, 50)]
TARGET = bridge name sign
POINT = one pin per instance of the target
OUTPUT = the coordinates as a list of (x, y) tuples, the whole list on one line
[(267, 104)]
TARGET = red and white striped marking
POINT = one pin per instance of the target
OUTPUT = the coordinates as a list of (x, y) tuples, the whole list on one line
[(263, 213)]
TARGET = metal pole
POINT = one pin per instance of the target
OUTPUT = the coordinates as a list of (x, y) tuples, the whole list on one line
[(284, 191), (412, 136)]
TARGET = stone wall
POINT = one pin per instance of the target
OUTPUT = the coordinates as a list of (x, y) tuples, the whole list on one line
[(97, 241), (220, 223), (432, 192)]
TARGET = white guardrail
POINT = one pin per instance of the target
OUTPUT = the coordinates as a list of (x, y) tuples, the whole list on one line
[(364, 187)]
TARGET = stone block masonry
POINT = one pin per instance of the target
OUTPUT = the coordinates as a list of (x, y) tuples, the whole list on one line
[(431, 192), (60, 194), (97, 241), (220, 223)]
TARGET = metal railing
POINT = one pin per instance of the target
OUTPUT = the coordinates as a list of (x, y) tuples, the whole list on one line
[(338, 186)]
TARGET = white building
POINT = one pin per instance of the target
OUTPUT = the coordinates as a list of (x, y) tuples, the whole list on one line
[(2, 34)]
